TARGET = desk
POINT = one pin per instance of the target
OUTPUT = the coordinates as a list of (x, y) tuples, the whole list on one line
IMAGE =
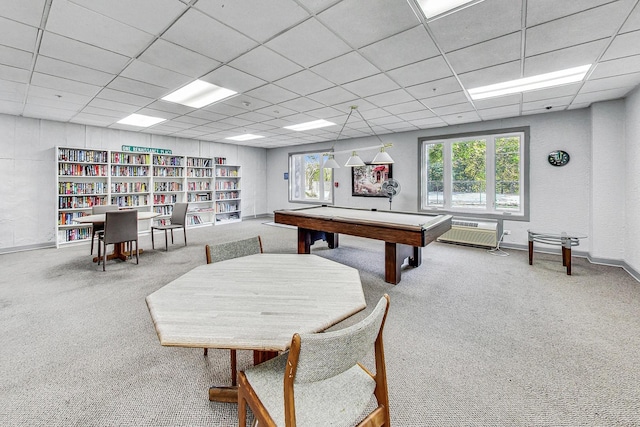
[(255, 302), (404, 233), (566, 240), (118, 249)]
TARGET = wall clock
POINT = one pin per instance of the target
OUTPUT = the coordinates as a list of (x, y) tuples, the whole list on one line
[(558, 158)]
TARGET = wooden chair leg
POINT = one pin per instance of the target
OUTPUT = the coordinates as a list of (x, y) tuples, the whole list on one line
[(206, 351), (234, 369)]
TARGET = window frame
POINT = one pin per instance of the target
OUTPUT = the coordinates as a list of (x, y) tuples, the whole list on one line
[(291, 179), (448, 140)]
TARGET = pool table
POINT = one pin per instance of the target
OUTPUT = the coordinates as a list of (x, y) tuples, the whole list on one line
[(404, 233)]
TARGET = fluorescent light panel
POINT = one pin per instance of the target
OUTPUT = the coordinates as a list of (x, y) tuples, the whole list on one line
[(440, 8), (199, 93), (245, 137), (140, 120), (310, 125), (541, 81)]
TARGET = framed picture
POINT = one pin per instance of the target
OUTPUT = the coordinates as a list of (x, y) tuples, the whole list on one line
[(366, 181)]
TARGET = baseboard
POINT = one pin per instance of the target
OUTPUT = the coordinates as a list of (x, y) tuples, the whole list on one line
[(27, 248)]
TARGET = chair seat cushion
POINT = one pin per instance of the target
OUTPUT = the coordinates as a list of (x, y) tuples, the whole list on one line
[(167, 226), (341, 399)]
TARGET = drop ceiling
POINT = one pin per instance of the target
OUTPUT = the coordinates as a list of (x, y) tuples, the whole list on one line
[(94, 62)]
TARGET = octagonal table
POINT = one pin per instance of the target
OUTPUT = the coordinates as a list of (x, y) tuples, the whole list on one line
[(255, 303)]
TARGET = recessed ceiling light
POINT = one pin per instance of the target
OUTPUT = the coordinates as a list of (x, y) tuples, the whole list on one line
[(140, 120), (199, 93), (310, 125), (245, 137), (440, 8), (541, 81)]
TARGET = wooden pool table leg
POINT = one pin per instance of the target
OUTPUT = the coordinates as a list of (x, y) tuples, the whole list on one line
[(394, 256)]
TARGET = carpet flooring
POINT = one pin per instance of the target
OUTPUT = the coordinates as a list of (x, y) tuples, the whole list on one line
[(471, 339)]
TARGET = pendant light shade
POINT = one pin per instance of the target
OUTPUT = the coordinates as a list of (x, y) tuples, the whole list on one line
[(382, 158), (331, 163), (354, 160)]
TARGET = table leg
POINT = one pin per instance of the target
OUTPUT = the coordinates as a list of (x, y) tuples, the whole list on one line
[(304, 240), (394, 255), (119, 252), (229, 394), (566, 255), (530, 252)]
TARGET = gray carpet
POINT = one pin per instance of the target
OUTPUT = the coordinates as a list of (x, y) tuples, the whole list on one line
[(471, 340)]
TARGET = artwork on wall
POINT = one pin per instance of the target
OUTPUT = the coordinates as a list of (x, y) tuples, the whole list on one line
[(367, 180)]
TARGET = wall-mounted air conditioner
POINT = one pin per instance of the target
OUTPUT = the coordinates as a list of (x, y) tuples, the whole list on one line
[(471, 232)]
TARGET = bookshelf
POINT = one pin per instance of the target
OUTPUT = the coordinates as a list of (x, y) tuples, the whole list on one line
[(227, 192), (200, 191), (143, 181)]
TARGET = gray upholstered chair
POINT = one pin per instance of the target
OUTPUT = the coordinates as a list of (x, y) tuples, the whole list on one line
[(120, 227), (320, 380), (229, 250), (178, 220), (97, 227)]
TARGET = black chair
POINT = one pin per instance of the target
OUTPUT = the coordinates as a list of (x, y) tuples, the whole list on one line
[(98, 227), (119, 227), (178, 220)]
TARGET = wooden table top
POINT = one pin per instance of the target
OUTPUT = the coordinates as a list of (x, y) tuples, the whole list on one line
[(255, 302), (142, 215)]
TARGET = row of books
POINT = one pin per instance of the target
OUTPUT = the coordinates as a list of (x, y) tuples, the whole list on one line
[(198, 197), (167, 160), (226, 207), (73, 234), (198, 162), (228, 195), (226, 172), (198, 185), (130, 158), (67, 218), (163, 199), (167, 171), (163, 210), (199, 173), (220, 160), (227, 185), (131, 200), (76, 155), (78, 202), (129, 187), (129, 170), (167, 186), (82, 187), (74, 169)]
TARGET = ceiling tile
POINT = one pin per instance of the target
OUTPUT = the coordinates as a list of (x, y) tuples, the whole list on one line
[(430, 69), (301, 104), (124, 97), (249, 16), (233, 79), (332, 96), (371, 85), (471, 25), (196, 31), (265, 64), (272, 93), (561, 59), (540, 11), (623, 45), (621, 81), (150, 16), (555, 92), (491, 75), (495, 51), (17, 35), (13, 74), (70, 71), (346, 68), (500, 112), (170, 56), (630, 64), (141, 71), (80, 53), (392, 97), (434, 88), (575, 29), (308, 44), (72, 86), (362, 22), (401, 49), (15, 57), (405, 107), (136, 87), (304, 83), (455, 98), (25, 11), (590, 97), (75, 22), (633, 21)]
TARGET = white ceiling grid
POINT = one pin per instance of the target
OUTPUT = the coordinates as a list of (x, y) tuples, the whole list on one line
[(291, 61)]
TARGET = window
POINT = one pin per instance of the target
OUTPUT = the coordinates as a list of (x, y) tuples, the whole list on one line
[(484, 174), (308, 180)]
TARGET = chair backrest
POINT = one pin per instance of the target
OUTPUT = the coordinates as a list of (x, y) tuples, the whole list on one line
[(100, 209), (236, 249), (121, 226), (327, 354), (179, 213)]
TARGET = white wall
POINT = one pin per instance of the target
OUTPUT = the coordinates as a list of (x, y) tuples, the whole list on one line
[(559, 196), (632, 179), (28, 172)]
